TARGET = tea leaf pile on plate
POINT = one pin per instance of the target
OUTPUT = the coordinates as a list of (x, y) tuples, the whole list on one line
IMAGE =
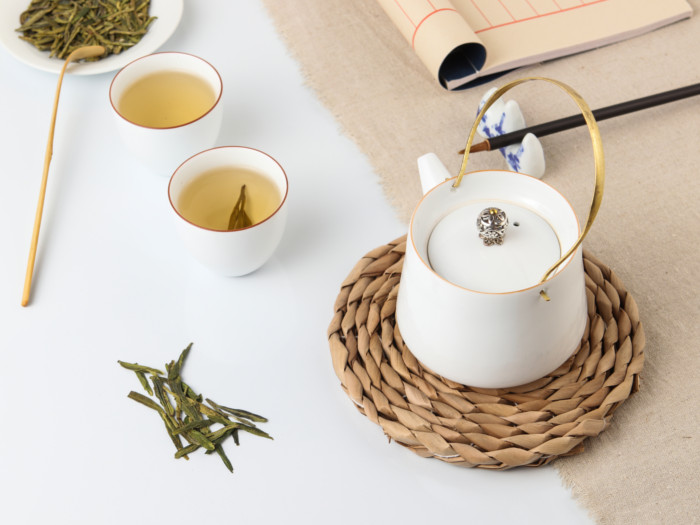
[(186, 416), (60, 26)]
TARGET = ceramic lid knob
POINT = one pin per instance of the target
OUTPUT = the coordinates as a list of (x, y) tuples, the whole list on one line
[(484, 261)]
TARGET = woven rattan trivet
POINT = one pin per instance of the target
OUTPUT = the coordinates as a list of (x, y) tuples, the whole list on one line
[(529, 425)]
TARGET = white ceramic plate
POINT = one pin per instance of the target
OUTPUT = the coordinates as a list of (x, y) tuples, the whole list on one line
[(168, 13)]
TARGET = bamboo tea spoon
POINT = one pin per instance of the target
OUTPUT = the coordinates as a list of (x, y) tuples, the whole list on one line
[(78, 54)]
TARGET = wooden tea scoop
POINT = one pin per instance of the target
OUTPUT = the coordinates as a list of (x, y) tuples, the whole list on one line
[(78, 54)]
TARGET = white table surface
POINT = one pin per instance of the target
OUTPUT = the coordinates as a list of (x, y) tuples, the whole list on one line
[(113, 282)]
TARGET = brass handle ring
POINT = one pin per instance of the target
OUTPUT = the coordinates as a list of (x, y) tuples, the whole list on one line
[(597, 152)]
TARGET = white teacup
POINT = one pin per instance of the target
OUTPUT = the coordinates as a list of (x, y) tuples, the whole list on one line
[(234, 252), (162, 149)]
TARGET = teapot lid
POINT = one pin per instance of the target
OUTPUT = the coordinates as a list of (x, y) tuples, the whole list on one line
[(493, 246)]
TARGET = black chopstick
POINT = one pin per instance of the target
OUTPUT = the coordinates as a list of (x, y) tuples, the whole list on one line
[(573, 121)]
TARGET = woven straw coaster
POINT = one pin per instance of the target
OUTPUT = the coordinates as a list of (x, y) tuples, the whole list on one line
[(529, 425)]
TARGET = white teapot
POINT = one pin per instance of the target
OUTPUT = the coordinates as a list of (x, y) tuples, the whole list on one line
[(492, 291)]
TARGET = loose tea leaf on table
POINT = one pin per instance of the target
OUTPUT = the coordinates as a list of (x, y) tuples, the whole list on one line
[(185, 415), (61, 26)]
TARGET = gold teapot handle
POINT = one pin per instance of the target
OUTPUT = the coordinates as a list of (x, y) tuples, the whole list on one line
[(597, 152)]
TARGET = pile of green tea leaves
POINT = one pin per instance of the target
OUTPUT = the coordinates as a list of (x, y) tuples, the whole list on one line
[(61, 26), (200, 424)]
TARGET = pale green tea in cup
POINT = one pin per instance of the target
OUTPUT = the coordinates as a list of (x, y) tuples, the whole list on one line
[(228, 198), (166, 98)]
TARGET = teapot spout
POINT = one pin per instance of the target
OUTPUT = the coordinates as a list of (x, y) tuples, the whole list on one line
[(432, 172)]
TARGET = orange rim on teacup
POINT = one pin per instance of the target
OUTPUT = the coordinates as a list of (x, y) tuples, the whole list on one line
[(167, 107), (131, 71), (232, 252)]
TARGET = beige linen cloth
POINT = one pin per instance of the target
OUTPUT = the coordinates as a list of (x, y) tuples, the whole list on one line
[(644, 468)]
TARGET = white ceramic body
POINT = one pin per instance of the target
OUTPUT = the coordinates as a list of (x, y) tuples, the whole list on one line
[(163, 149), (491, 340), (237, 252)]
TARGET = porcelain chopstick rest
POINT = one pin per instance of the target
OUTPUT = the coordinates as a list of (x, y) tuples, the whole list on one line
[(505, 117)]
